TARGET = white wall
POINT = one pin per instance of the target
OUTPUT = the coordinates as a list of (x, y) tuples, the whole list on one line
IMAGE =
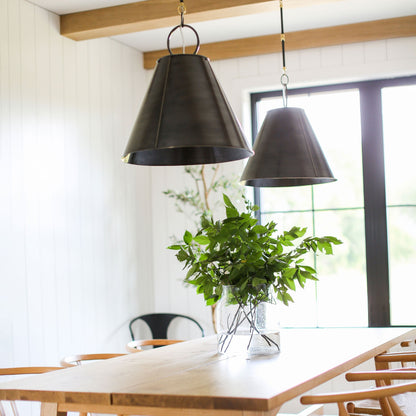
[(74, 220), (239, 77)]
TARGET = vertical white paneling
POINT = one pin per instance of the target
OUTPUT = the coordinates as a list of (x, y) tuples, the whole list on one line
[(34, 191), (71, 185), (6, 329), (16, 275), (75, 229), (60, 248)]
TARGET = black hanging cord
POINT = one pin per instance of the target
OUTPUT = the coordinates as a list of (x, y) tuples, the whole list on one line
[(282, 35), (284, 79)]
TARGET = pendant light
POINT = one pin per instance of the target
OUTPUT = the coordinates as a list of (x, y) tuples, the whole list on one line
[(185, 118), (286, 151)]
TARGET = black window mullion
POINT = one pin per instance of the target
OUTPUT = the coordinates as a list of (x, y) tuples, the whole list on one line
[(375, 205), (254, 128)]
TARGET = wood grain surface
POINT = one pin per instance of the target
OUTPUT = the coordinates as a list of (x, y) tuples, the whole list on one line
[(191, 375)]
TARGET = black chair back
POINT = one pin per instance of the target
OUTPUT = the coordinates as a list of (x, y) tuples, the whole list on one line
[(159, 322)]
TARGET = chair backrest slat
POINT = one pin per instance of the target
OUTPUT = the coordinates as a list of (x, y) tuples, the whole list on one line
[(158, 324)]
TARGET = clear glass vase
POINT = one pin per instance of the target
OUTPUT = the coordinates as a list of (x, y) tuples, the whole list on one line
[(251, 329)]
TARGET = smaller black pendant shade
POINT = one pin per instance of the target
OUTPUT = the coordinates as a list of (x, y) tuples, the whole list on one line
[(185, 118), (287, 152)]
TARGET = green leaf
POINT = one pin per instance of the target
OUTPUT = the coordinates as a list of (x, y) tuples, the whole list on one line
[(333, 240), (257, 281), (260, 229), (231, 212), (175, 247), (211, 301), (202, 239), (182, 255), (187, 237), (291, 284), (308, 269), (324, 247), (288, 273), (227, 201), (191, 271), (200, 289)]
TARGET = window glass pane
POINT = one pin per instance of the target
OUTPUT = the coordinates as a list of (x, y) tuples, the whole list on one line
[(286, 199), (266, 104), (342, 287), (402, 264), (399, 140), (335, 118)]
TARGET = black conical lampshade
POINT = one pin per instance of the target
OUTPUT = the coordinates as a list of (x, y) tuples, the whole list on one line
[(287, 152), (185, 118)]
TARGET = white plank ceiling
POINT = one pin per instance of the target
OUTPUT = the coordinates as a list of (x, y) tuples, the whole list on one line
[(312, 14)]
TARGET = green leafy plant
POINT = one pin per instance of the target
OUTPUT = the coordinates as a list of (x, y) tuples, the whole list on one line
[(239, 251)]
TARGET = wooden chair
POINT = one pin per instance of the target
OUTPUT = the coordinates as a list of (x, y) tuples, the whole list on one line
[(384, 361), (74, 360), (408, 343), (135, 346), (158, 324), (20, 371), (382, 394), (382, 378)]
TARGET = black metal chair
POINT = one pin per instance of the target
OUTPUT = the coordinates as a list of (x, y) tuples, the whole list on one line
[(158, 324)]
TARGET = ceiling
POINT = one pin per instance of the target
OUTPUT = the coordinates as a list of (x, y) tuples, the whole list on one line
[(310, 15)]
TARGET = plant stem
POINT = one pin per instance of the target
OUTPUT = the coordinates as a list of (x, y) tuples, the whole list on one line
[(238, 318)]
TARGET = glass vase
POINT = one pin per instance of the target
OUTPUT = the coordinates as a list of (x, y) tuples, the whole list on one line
[(250, 329)]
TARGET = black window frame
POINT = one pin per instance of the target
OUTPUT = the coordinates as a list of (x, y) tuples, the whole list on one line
[(375, 208)]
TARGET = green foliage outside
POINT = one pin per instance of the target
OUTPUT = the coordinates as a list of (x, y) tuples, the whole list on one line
[(239, 251)]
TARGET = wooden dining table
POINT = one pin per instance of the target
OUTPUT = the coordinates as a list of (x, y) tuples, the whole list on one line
[(190, 378)]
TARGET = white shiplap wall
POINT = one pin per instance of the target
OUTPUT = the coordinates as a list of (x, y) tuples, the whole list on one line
[(239, 77), (74, 220)]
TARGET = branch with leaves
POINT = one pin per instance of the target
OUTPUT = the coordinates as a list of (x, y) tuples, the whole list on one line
[(238, 251)]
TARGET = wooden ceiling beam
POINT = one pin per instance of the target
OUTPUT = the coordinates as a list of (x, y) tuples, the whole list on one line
[(314, 38), (153, 14)]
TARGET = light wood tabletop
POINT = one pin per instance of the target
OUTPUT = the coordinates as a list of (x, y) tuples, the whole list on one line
[(191, 378)]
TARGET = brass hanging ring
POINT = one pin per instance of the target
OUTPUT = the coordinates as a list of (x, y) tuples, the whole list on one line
[(189, 27)]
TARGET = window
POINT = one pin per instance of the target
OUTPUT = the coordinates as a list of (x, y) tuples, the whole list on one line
[(398, 109), (349, 119)]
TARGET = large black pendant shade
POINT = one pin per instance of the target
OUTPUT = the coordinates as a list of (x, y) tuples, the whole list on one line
[(286, 152), (185, 118)]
